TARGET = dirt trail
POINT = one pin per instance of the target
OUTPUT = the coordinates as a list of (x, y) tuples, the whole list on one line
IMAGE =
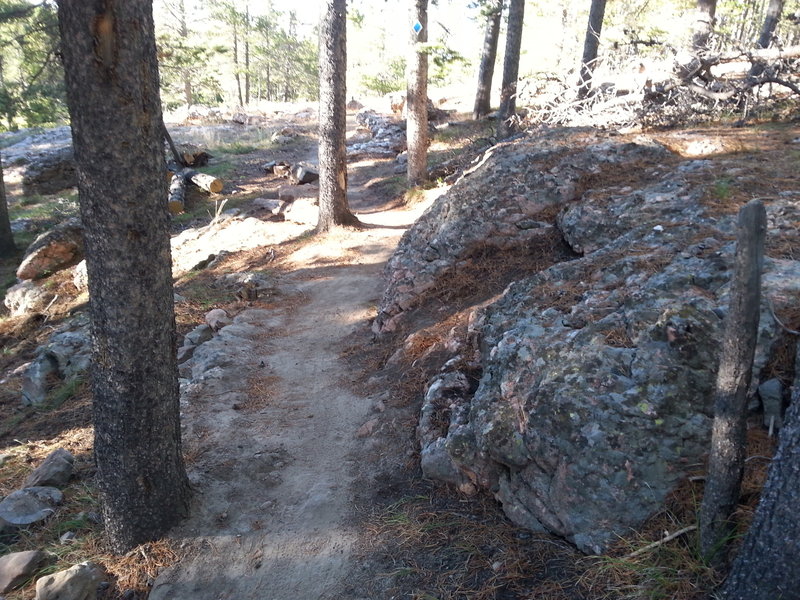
[(273, 429)]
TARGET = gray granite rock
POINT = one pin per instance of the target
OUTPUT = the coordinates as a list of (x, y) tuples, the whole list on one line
[(55, 470), (76, 583), (16, 568), (30, 505)]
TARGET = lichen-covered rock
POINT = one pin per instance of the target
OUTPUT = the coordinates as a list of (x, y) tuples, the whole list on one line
[(508, 199), (596, 375), (59, 248)]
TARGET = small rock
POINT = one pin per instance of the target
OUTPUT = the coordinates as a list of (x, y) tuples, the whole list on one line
[(367, 428), (55, 471), (217, 318), (200, 334), (771, 394), (76, 583), (178, 299), (4, 458), (282, 169), (305, 174), (16, 568), (80, 277), (270, 205), (30, 505), (185, 353), (35, 381), (67, 538)]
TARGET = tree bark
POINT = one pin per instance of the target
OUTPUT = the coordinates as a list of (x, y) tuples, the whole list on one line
[(333, 208), (183, 31), (768, 563), (591, 44), (7, 246), (774, 10), (417, 95), (236, 73), (247, 54), (726, 461), (488, 58), (111, 75), (508, 91), (703, 26)]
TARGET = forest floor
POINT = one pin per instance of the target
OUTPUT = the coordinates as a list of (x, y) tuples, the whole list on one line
[(302, 453)]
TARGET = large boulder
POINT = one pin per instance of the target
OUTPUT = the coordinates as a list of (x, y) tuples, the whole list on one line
[(507, 200), (50, 172), (595, 376), (59, 248)]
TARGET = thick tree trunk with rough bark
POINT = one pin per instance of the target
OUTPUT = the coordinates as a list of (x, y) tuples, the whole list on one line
[(591, 44), (7, 246), (508, 91), (417, 95), (703, 25), (333, 207), (111, 74), (768, 563), (726, 461), (488, 58)]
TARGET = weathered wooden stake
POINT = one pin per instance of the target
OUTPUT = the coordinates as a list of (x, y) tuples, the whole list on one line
[(726, 461)]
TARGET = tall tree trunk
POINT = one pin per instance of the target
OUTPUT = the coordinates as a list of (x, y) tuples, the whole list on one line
[(703, 25), (236, 73), (417, 95), (183, 31), (768, 563), (488, 58), (7, 247), (774, 10), (726, 460), (333, 208), (508, 91), (247, 54), (111, 74), (591, 43)]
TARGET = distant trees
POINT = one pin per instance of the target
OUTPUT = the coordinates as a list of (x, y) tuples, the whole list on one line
[(109, 55), (773, 15), (31, 79), (417, 94), (493, 11), (508, 91), (333, 207)]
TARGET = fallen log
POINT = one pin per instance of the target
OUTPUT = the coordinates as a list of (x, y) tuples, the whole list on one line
[(177, 194), (204, 181)]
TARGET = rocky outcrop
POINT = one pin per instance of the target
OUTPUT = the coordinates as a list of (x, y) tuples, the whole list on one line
[(59, 248), (509, 198), (582, 396), (387, 141)]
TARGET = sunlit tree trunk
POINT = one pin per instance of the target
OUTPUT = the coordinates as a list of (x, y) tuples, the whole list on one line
[(488, 58), (333, 207), (417, 95), (111, 75), (508, 91), (591, 44), (774, 10)]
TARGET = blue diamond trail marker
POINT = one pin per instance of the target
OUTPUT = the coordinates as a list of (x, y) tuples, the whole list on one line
[(417, 27)]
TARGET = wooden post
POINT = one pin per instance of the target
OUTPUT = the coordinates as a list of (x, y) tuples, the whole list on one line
[(726, 461)]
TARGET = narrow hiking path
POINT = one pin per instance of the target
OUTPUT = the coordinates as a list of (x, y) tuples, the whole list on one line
[(271, 431)]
